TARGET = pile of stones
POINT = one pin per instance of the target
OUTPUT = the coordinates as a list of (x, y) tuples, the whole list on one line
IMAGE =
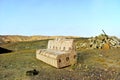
[(104, 42)]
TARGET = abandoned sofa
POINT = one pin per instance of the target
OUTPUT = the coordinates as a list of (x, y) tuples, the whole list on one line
[(59, 53)]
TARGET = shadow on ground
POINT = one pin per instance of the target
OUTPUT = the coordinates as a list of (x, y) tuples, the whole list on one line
[(3, 50)]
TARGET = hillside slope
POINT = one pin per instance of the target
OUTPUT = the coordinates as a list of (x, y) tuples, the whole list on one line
[(18, 38)]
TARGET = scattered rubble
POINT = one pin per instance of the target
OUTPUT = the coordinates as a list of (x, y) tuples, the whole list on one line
[(102, 41)]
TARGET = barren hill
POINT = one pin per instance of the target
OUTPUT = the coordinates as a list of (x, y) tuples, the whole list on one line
[(19, 38)]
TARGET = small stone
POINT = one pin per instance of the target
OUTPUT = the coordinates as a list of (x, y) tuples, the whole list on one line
[(32, 72)]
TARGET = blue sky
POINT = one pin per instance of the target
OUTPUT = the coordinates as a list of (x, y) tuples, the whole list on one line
[(59, 17)]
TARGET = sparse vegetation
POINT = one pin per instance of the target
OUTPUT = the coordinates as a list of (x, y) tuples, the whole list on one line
[(41, 44), (92, 64)]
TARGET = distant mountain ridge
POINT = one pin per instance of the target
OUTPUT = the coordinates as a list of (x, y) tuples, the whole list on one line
[(19, 38)]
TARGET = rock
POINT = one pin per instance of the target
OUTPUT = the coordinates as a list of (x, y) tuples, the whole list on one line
[(32, 72)]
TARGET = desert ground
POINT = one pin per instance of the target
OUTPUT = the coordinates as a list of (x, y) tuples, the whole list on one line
[(92, 64)]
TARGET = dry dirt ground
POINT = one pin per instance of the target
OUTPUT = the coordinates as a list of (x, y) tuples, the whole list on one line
[(91, 64)]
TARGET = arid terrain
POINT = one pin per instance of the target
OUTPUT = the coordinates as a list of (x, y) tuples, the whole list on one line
[(19, 38), (92, 64)]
